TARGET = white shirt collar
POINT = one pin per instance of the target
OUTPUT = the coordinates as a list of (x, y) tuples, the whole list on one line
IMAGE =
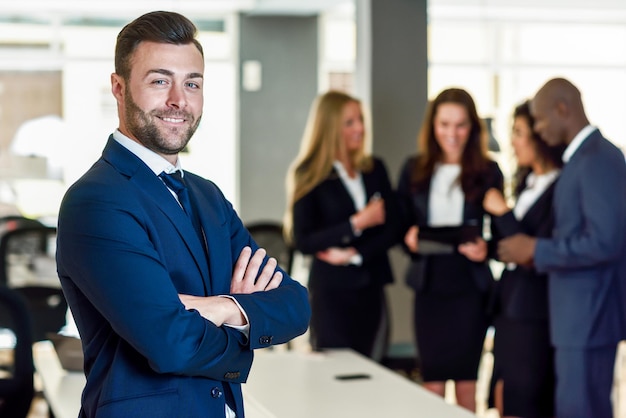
[(577, 142), (541, 180), (154, 161)]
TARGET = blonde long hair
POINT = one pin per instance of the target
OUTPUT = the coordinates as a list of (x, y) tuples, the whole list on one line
[(321, 143)]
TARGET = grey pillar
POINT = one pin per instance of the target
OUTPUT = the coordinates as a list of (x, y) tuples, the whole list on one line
[(392, 69), (272, 115)]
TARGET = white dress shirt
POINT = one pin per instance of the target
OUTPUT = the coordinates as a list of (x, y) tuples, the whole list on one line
[(577, 142), (356, 190)]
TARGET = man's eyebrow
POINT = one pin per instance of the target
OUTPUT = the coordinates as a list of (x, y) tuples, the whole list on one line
[(171, 73)]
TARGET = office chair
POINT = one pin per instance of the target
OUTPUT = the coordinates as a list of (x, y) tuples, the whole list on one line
[(12, 222), (28, 266), (16, 390), (269, 235), (47, 308), (27, 253)]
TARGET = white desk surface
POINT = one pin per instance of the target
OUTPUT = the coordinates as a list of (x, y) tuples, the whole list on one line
[(292, 384), (287, 384), (62, 389)]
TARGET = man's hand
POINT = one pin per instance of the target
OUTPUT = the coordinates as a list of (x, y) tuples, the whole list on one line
[(518, 249), (224, 310), (245, 278), (219, 310), (474, 250)]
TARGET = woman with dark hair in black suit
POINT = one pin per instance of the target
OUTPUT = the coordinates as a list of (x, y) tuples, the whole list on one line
[(524, 363), (340, 210), (443, 186)]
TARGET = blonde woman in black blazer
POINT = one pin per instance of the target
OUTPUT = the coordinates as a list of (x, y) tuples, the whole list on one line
[(340, 207), (443, 186)]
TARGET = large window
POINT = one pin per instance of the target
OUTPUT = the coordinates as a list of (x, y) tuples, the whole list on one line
[(502, 55), (56, 104)]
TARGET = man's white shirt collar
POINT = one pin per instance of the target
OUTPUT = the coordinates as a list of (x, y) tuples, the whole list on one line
[(154, 161), (577, 142)]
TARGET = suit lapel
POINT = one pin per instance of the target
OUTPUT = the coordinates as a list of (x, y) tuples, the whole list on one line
[(148, 183)]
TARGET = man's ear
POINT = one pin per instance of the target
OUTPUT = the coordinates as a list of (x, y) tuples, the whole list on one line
[(117, 87), (562, 109)]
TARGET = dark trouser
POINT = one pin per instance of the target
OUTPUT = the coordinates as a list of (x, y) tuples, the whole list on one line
[(584, 381)]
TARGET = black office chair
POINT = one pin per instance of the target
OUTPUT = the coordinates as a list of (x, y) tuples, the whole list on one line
[(16, 390), (269, 235), (28, 244), (11, 222), (28, 266), (47, 308)]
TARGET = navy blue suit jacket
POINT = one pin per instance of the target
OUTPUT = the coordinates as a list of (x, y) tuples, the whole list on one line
[(585, 258), (125, 251)]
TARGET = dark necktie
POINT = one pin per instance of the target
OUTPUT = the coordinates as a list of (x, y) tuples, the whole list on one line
[(175, 182)]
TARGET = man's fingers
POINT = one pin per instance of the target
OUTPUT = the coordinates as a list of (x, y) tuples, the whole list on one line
[(242, 264), (248, 277), (254, 265), (266, 275), (277, 278)]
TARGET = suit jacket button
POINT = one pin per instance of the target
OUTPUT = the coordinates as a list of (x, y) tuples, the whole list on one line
[(265, 340), (216, 392)]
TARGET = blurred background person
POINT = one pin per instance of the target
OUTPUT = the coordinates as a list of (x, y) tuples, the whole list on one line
[(584, 258), (443, 186), (340, 210), (524, 358)]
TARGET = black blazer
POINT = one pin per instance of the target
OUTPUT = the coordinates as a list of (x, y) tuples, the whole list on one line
[(413, 206), (321, 219), (523, 292)]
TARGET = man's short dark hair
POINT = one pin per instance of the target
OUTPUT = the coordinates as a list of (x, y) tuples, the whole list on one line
[(160, 27)]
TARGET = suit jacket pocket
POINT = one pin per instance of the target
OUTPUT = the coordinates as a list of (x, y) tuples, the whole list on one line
[(164, 404)]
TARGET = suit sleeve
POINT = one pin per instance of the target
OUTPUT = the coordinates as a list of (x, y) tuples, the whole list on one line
[(599, 237), (379, 239), (311, 234)]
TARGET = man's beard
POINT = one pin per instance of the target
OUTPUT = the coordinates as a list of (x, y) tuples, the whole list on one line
[(141, 125)]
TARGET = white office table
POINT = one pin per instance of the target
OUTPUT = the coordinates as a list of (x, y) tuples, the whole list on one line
[(292, 384), (287, 384), (62, 389)]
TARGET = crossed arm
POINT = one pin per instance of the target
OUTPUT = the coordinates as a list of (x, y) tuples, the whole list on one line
[(224, 310)]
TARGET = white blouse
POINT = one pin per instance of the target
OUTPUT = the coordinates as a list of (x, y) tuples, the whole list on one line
[(355, 185), (446, 198), (536, 185)]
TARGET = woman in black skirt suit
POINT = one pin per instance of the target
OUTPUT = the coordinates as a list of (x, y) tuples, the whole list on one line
[(524, 364), (443, 186), (340, 210)]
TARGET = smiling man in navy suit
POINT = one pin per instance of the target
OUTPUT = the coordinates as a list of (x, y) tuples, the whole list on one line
[(586, 257), (169, 292)]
